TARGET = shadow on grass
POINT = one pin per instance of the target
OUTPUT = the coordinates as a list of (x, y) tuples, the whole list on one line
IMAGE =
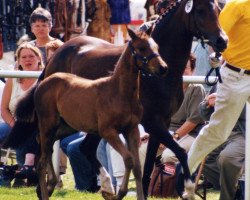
[(60, 193)]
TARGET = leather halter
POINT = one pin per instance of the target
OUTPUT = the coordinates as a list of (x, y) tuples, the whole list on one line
[(137, 57)]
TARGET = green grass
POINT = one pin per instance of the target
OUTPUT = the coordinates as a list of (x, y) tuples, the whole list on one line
[(69, 193)]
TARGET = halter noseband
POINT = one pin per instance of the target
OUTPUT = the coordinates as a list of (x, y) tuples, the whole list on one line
[(143, 59)]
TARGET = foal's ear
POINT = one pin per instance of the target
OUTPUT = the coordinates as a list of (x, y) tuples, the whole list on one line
[(149, 31), (131, 33)]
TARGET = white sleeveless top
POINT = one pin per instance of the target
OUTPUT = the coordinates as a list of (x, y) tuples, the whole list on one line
[(16, 94), (2, 84)]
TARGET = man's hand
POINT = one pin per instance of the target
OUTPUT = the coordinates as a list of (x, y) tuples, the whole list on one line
[(211, 100)]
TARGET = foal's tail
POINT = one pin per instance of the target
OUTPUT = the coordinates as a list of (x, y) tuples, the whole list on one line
[(25, 110), (26, 121)]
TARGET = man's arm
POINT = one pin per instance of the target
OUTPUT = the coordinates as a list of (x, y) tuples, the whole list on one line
[(185, 129)]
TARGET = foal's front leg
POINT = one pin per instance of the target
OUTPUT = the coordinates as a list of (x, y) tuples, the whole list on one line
[(112, 137), (133, 138), (107, 188)]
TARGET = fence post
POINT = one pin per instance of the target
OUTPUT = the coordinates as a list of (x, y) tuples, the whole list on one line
[(247, 155)]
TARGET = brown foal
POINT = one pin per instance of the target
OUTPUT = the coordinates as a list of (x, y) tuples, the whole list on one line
[(107, 106)]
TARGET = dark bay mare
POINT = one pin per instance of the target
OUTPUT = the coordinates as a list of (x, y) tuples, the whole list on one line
[(161, 97), (107, 106)]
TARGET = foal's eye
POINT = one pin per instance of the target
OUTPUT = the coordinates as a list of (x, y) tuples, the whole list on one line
[(142, 49)]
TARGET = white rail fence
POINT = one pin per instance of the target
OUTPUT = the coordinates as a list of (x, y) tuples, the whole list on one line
[(189, 79)]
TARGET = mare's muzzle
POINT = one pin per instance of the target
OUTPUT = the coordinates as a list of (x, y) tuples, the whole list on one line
[(219, 44)]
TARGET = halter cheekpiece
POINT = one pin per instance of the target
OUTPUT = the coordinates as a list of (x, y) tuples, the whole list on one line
[(144, 59)]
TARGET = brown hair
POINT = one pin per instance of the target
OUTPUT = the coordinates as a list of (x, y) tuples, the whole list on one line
[(41, 14)]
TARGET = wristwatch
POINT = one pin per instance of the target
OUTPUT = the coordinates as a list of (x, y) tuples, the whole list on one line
[(176, 136)]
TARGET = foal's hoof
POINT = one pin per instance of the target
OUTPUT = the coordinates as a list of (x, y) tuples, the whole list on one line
[(108, 196)]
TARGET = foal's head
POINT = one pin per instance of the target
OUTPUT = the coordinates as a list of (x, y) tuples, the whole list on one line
[(145, 53)]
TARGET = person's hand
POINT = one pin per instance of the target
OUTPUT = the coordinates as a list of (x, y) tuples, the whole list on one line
[(162, 147), (215, 61), (211, 100), (54, 44), (12, 123)]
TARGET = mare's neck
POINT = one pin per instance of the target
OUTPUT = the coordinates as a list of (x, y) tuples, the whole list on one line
[(174, 39), (126, 74)]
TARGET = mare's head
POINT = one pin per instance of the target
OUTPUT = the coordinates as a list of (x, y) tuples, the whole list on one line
[(202, 20), (145, 53), (197, 18)]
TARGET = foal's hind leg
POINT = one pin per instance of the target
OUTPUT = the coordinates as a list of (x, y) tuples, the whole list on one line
[(42, 191), (47, 138), (114, 140), (133, 138), (106, 184), (51, 178)]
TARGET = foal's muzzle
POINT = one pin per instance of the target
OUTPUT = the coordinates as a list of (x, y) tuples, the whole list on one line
[(152, 64), (163, 70)]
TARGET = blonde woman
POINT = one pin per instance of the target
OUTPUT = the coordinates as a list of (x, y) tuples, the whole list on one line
[(28, 58)]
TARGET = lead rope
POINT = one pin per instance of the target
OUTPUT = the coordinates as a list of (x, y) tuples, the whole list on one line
[(215, 65)]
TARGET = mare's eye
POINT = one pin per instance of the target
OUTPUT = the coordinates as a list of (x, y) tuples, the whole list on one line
[(200, 12)]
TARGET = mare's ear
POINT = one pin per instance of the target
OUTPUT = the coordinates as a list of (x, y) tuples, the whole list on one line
[(131, 33), (149, 31)]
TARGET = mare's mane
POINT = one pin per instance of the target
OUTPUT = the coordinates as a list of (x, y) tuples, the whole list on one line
[(168, 7), (165, 18)]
